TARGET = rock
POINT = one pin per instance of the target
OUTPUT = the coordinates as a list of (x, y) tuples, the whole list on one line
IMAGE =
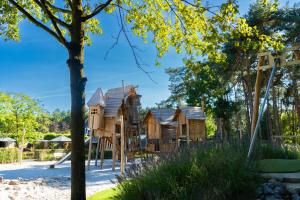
[(271, 197), (295, 196), (273, 180), (12, 182)]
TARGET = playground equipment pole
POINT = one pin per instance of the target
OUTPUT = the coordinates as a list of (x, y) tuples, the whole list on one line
[(254, 135)]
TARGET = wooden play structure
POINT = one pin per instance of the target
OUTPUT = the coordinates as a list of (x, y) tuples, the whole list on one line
[(160, 130), (191, 124), (269, 60), (167, 129), (113, 118)]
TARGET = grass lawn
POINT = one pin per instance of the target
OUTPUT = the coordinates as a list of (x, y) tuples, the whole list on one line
[(103, 195), (279, 165)]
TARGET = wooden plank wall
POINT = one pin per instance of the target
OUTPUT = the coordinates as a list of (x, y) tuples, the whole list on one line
[(197, 129), (153, 128)]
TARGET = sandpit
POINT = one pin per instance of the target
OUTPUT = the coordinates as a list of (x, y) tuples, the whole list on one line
[(34, 180)]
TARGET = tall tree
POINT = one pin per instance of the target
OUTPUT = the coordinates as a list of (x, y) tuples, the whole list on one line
[(189, 26)]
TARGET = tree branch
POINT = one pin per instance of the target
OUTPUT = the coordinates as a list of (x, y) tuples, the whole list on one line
[(58, 8), (33, 20), (56, 19), (133, 48), (97, 10), (54, 22)]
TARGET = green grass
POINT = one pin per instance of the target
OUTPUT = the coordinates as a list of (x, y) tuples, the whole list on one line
[(104, 195), (279, 165)]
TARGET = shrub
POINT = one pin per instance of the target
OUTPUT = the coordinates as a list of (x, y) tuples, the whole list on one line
[(208, 172), (28, 155), (272, 151), (44, 154), (8, 155)]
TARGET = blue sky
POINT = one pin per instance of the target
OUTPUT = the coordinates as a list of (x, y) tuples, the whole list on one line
[(37, 67)]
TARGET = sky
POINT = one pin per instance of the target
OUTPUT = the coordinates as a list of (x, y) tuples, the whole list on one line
[(36, 65)]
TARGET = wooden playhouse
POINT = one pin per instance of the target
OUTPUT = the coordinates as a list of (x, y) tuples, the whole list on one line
[(168, 129), (190, 124), (113, 118), (160, 130)]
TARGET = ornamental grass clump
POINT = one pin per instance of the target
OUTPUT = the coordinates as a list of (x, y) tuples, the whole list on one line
[(208, 172)]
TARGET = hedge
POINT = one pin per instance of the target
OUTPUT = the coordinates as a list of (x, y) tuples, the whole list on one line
[(8, 155)]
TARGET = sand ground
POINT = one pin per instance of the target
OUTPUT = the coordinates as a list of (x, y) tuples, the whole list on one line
[(35, 181)]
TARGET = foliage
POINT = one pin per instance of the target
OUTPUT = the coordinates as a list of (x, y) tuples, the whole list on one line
[(205, 172), (8, 155), (104, 195), (60, 121), (44, 154), (210, 125), (279, 165), (19, 114), (269, 151)]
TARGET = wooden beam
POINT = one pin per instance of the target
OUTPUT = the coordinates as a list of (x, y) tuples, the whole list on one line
[(90, 149), (114, 151), (97, 151), (187, 131), (122, 146), (102, 152)]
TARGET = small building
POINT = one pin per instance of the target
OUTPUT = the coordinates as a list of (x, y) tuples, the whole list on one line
[(190, 124), (7, 142), (167, 129), (160, 130), (62, 142)]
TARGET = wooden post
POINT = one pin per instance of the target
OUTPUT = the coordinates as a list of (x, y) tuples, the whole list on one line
[(187, 131), (122, 147), (102, 152), (114, 150), (97, 151), (90, 149), (256, 99)]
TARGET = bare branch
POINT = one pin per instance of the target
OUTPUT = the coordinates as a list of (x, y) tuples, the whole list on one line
[(33, 20), (133, 48), (97, 10)]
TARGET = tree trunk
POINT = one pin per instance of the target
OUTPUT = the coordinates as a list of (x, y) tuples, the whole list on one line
[(275, 112), (78, 82), (296, 96), (77, 128), (256, 100)]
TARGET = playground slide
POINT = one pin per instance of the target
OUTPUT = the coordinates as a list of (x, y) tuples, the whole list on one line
[(67, 156)]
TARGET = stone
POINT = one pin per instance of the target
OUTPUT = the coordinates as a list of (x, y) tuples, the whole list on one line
[(273, 180), (295, 196), (12, 182), (1, 179), (271, 197)]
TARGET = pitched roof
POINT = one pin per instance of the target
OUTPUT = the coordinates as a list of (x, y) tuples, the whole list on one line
[(118, 92), (112, 100), (7, 139), (97, 99), (163, 115), (193, 112), (61, 139)]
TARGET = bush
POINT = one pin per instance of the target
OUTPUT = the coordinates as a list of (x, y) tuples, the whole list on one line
[(272, 151), (8, 155), (208, 172), (44, 154), (28, 155)]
